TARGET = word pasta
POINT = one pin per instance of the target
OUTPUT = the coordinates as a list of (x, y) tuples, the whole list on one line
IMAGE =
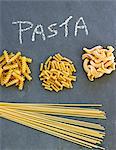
[(52, 28)]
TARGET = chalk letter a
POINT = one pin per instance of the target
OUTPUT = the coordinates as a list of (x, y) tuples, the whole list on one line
[(40, 32), (77, 26)]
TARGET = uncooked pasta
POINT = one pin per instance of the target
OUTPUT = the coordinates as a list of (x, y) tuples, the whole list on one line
[(98, 61), (14, 69), (57, 73), (49, 118)]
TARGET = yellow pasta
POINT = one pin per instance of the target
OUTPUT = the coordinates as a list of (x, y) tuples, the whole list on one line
[(6, 56), (41, 67), (15, 57), (17, 71), (98, 61), (12, 82), (28, 69), (17, 76), (23, 65), (57, 72), (48, 60), (7, 67), (2, 63), (1, 70), (49, 118), (28, 60), (1, 58), (8, 76), (21, 84), (28, 76), (14, 69)]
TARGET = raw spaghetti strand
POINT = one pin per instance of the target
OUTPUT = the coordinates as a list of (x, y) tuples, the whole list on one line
[(43, 117)]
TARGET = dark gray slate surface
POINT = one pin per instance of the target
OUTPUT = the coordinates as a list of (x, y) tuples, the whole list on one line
[(100, 17)]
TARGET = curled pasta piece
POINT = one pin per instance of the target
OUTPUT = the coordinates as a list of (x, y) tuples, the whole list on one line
[(85, 65), (98, 61), (95, 64), (89, 51)]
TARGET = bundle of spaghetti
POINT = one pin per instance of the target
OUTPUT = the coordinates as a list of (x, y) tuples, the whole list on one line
[(57, 73), (98, 61), (87, 134), (61, 110), (14, 69)]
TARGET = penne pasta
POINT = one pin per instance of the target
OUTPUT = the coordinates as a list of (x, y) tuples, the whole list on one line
[(57, 73)]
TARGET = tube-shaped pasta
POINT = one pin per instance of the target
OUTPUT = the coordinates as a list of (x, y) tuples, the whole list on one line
[(57, 73)]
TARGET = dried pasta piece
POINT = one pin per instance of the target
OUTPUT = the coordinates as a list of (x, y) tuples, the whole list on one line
[(28, 60), (48, 60), (28, 70), (98, 61), (21, 84), (2, 58), (7, 67), (57, 72), (41, 67), (15, 57), (1, 70), (2, 63), (48, 88), (6, 55), (12, 82), (8, 76), (28, 76), (23, 65), (17, 76), (14, 69)]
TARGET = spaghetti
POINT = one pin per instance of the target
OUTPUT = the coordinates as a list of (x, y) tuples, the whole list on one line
[(50, 119)]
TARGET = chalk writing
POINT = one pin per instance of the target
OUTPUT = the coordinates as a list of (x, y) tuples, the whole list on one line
[(38, 30), (21, 29), (54, 28)]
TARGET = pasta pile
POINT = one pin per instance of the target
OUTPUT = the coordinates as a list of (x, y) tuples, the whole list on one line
[(14, 69), (49, 118), (57, 72), (98, 61)]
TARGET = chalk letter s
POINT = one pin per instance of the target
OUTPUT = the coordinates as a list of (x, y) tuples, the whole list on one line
[(21, 29), (50, 28)]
